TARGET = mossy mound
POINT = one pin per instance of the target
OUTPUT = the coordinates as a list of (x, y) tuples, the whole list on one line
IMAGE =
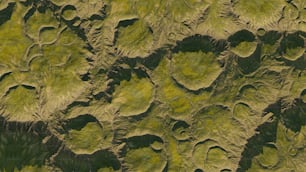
[(134, 85)]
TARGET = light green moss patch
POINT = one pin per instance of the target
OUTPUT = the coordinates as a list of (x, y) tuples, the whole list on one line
[(294, 53), (57, 65), (179, 100), (133, 97), (303, 15), (106, 169), (247, 117), (48, 35), (135, 40), (146, 8), (207, 121), (39, 20), (21, 104), (60, 68), (119, 7), (200, 151), (180, 105), (259, 13), (13, 41), (195, 70), (291, 12), (157, 146), (151, 124), (216, 26), (87, 140), (69, 14), (177, 85), (243, 43), (33, 169), (269, 157), (7, 83), (180, 8), (216, 156), (176, 159), (244, 49), (258, 95), (144, 160)]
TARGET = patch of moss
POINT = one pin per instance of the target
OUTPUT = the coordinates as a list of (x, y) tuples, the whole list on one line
[(21, 104), (195, 70), (243, 43), (135, 40), (135, 159), (215, 22), (85, 141), (259, 13), (14, 42), (133, 97)]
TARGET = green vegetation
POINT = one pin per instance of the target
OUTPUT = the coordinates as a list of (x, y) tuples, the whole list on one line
[(168, 85), (259, 13), (135, 40), (20, 150), (133, 97), (195, 70), (85, 141)]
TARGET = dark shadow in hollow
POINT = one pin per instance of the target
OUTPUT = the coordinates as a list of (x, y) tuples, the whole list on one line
[(6, 14), (124, 67), (123, 24), (152, 61), (300, 63), (68, 7), (180, 124), (79, 122), (126, 23), (250, 64), (4, 76), (22, 144), (198, 170), (267, 133), (96, 17), (29, 13), (295, 116), (241, 36), (142, 141), (136, 142), (270, 37), (68, 161), (293, 40), (200, 43)]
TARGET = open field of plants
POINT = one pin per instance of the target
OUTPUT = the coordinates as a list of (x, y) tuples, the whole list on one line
[(152, 85)]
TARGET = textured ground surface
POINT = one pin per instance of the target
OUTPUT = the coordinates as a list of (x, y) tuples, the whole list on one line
[(153, 85)]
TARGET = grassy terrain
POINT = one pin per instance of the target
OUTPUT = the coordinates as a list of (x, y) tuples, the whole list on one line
[(152, 85)]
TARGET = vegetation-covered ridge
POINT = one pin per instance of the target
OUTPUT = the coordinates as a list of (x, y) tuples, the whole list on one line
[(134, 85)]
